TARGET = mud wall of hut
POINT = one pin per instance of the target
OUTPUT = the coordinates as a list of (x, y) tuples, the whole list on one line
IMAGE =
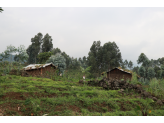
[(42, 71), (119, 74)]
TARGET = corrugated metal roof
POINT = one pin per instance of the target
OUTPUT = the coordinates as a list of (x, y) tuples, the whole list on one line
[(119, 69), (34, 66)]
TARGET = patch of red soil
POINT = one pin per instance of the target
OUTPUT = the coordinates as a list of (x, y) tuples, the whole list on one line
[(65, 94), (98, 107), (61, 89), (14, 95), (45, 95), (122, 106), (52, 95), (93, 108), (74, 108), (59, 108), (26, 94), (40, 87), (70, 107)]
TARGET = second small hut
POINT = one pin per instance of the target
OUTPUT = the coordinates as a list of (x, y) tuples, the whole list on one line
[(119, 73)]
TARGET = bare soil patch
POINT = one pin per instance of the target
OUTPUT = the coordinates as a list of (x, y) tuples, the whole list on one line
[(13, 95)]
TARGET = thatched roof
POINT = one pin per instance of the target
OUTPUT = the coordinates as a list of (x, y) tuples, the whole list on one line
[(126, 71), (36, 66)]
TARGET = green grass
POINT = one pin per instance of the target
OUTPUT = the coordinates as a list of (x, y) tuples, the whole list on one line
[(64, 96), (39, 96)]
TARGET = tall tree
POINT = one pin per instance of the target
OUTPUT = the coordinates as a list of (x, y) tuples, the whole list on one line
[(103, 58), (142, 72), (135, 69), (111, 55), (157, 71), (67, 58), (156, 62), (130, 65), (47, 43), (80, 60), (126, 63), (84, 62), (31, 54), (55, 50), (84, 59), (150, 73), (161, 61), (162, 71), (122, 65), (142, 59), (75, 64), (36, 42), (93, 57), (153, 63)]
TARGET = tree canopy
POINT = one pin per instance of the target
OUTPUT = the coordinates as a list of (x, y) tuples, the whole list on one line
[(43, 57), (31, 54), (130, 65), (47, 43), (103, 58), (58, 60)]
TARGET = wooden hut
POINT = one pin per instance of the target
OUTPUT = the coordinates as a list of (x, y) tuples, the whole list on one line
[(39, 69), (119, 73)]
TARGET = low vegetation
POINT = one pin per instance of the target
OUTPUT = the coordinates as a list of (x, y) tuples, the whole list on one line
[(64, 96)]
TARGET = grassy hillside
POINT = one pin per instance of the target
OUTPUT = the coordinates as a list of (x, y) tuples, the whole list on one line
[(64, 96), (26, 96)]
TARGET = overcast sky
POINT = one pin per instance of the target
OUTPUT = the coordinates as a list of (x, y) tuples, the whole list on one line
[(135, 30)]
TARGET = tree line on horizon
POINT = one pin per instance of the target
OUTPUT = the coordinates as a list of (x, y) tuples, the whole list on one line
[(99, 59)]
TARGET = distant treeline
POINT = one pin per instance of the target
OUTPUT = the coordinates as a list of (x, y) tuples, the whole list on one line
[(100, 58)]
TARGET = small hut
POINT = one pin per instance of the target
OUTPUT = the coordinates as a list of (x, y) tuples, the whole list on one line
[(39, 69), (119, 73)]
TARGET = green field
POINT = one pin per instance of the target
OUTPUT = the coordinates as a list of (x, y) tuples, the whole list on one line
[(31, 96)]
